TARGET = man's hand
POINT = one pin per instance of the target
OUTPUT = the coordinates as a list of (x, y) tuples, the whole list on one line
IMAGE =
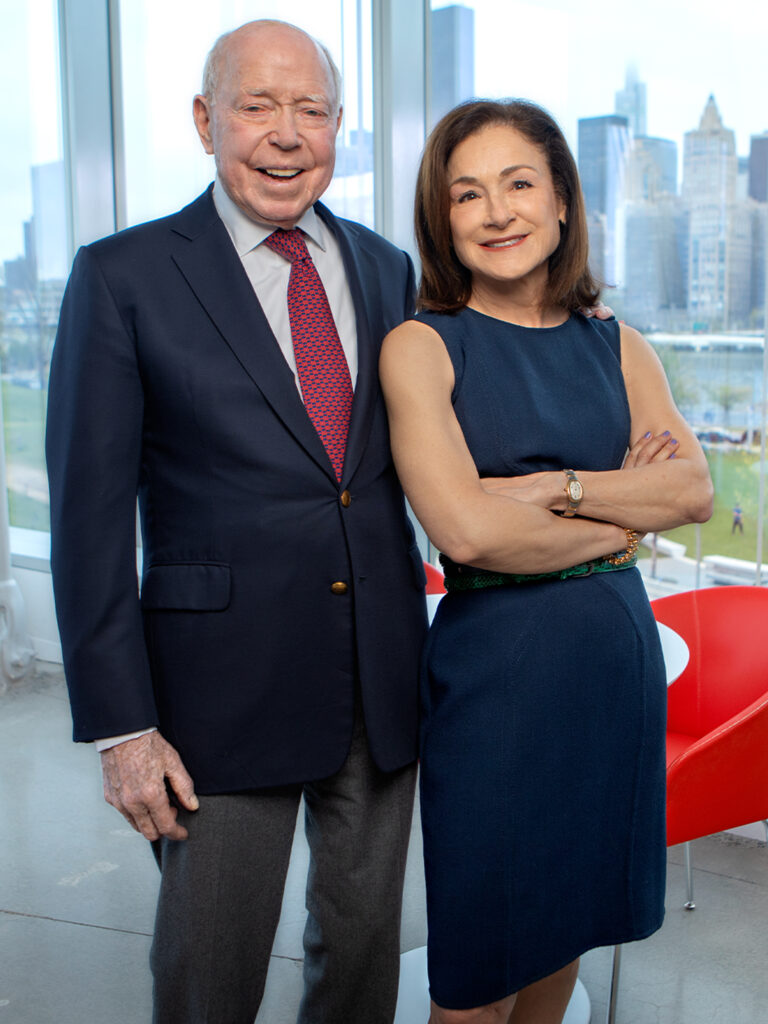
[(134, 775), (600, 311)]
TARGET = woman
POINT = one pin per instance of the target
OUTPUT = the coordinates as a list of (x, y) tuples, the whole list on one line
[(534, 445)]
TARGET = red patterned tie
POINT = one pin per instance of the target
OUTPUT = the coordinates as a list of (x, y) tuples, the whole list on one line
[(320, 362)]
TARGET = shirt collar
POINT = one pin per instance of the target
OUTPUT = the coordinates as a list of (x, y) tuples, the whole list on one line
[(246, 234)]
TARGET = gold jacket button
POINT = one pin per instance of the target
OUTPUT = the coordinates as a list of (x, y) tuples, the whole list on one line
[(339, 588), (346, 499)]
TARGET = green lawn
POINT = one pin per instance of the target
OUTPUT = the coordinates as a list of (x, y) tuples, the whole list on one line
[(736, 479), (24, 424), (733, 471), (28, 512)]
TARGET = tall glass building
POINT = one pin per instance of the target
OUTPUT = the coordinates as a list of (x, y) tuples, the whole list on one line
[(603, 153)]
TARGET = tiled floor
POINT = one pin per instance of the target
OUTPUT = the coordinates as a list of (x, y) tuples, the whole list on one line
[(77, 892)]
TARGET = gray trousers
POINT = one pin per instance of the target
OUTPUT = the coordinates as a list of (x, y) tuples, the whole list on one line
[(221, 894)]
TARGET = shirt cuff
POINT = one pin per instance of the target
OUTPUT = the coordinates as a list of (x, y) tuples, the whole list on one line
[(112, 741)]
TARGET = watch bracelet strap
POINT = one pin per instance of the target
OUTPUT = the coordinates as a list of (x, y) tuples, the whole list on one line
[(572, 507)]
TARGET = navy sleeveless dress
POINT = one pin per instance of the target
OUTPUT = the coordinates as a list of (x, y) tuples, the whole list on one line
[(544, 703)]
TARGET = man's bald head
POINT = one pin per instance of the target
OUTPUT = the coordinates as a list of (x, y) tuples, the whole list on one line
[(269, 115), (218, 54)]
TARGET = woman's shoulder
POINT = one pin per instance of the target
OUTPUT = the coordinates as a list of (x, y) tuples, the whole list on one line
[(609, 331), (413, 338), (413, 351), (409, 331), (452, 327)]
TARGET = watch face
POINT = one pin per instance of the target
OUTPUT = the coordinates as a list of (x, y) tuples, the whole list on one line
[(575, 490)]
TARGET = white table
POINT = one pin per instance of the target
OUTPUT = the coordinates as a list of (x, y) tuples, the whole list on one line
[(675, 651)]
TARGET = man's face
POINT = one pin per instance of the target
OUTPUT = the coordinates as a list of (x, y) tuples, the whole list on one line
[(272, 123)]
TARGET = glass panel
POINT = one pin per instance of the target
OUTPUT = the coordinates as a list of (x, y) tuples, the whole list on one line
[(34, 250), (673, 156), (163, 50)]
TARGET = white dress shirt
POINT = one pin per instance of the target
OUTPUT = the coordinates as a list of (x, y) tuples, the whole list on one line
[(268, 272)]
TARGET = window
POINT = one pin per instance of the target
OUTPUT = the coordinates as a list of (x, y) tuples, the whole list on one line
[(34, 248), (163, 48), (670, 139)]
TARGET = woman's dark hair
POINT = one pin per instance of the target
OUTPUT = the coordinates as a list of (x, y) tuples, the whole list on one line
[(446, 283)]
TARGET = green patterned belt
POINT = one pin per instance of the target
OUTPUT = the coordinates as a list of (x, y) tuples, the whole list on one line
[(467, 577)]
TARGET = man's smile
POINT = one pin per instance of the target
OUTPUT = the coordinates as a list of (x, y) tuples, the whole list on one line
[(283, 173)]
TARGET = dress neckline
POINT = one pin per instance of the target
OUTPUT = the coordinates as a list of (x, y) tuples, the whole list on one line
[(520, 327)]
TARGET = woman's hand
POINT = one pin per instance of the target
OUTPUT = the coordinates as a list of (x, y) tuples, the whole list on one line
[(542, 489), (651, 448), (500, 524), (547, 488)]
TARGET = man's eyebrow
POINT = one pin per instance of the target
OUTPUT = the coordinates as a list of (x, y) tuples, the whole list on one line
[(315, 98)]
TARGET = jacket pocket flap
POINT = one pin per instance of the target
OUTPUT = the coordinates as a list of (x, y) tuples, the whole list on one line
[(186, 586)]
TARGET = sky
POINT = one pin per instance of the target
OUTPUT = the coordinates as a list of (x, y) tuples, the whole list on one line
[(31, 133), (550, 51), (573, 63)]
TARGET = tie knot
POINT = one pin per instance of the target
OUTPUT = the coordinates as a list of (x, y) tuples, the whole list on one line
[(289, 244)]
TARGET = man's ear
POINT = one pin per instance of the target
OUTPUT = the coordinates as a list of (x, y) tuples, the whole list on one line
[(201, 113), (338, 119)]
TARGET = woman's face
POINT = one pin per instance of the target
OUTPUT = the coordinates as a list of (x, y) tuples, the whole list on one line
[(504, 209)]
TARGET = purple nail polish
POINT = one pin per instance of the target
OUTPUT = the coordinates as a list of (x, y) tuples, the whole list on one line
[(674, 441), (673, 455), (647, 435), (666, 433)]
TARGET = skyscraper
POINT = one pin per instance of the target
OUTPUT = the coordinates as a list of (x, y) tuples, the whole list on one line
[(758, 167), (453, 58), (651, 168), (603, 152), (656, 239), (760, 254), (631, 101), (719, 254)]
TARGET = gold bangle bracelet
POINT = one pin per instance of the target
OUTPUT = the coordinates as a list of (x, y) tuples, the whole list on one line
[(620, 558)]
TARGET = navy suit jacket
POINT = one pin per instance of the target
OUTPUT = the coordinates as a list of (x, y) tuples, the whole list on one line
[(167, 384)]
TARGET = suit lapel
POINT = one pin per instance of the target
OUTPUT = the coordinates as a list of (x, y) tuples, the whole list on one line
[(366, 387), (203, 252)]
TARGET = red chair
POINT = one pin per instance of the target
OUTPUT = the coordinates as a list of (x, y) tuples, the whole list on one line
[(717, 711), (435, 584), (717, 719)]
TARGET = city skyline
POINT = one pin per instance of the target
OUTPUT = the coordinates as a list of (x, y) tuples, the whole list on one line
[(583, 70), (684, 50)]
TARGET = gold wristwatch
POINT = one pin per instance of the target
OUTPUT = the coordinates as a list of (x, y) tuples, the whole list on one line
[(574, 492)]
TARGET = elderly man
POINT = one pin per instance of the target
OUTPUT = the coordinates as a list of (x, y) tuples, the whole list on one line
[(221, 365)]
